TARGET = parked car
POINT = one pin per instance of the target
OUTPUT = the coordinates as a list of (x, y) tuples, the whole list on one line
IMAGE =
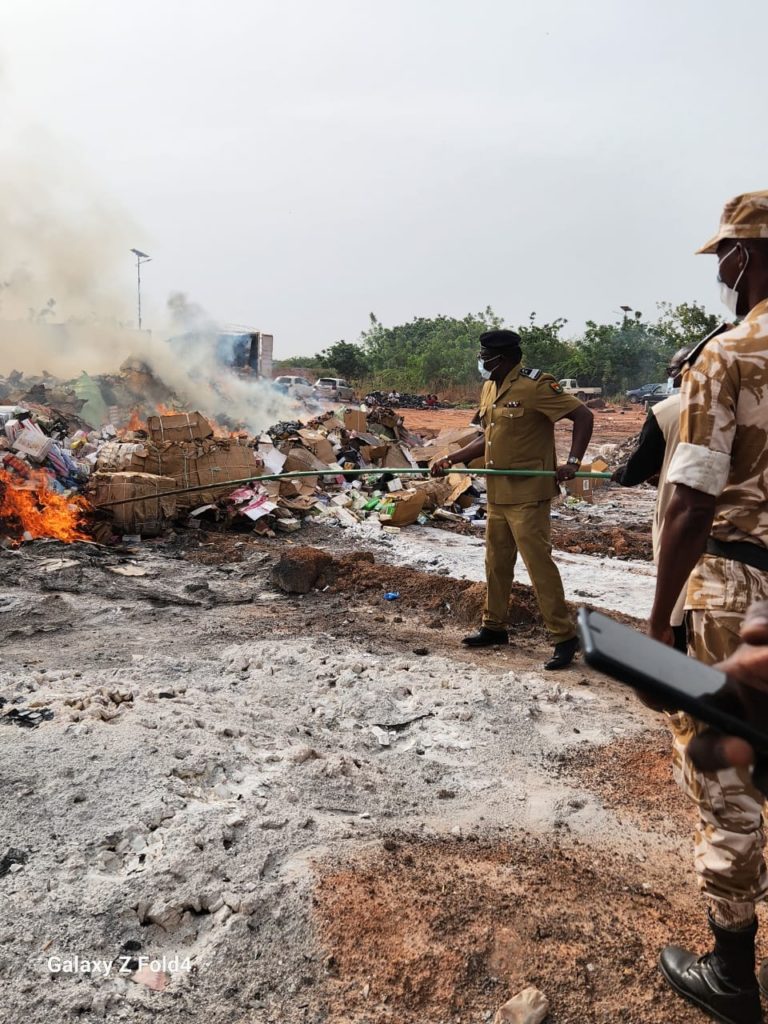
[(657, 396), (638, 395), (335, 389), (298, 387), (572, 387)]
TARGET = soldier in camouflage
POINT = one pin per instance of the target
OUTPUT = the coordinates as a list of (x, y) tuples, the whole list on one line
[(716, 530)]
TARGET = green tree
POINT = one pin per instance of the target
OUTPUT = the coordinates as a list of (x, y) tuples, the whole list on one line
[(545, 349), (346, 359), (427, 353), (618, 356), (434, 353), (684, 324)]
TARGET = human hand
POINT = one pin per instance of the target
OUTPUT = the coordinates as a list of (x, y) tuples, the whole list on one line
[(661, 632), (747, 671), (566, 472), (441, 467)]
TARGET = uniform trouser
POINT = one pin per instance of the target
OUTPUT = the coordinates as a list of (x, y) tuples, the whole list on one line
[(729, 839), (525, 528)]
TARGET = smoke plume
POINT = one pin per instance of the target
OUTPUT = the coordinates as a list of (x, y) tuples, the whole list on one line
[(64, 302)]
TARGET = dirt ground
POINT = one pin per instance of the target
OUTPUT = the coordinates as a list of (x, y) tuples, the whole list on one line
[(319, 808)]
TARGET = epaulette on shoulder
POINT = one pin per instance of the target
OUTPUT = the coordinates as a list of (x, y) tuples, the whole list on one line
[(532, 374), (699, 347)]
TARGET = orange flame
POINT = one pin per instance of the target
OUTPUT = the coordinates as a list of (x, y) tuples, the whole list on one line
[(165, 410), (135, 422), (36, 510), (219, 430)]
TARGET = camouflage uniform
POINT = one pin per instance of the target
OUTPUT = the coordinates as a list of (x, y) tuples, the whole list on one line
[(723, 451), (518, 417)]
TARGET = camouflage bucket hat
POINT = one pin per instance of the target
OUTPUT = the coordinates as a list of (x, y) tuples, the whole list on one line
[(745, 216)]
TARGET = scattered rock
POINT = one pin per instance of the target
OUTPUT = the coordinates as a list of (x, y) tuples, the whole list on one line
[(299, 570), (12, 857), (156, 980), (27, 718), (528, 1007), (302, 753)]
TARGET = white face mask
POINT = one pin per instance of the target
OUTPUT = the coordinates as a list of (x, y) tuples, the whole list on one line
[(483, 371), (730, 296)]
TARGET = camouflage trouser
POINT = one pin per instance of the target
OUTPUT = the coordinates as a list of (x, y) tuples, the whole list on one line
[(729, 840)]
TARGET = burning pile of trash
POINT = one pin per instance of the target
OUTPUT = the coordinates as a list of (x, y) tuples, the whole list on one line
[(176, 469), (179, 469)]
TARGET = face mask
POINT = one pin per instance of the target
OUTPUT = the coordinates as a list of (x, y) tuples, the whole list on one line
[(482, 368), (730, 296)]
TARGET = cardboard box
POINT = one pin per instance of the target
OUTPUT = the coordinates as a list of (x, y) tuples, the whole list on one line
[(143, 514), (122, 457), (355, 420), (299, 459), (408, 506), (585, 489), (373, 453), (436, 491), (215, 463), (179, 426), (190, 464), (318, 445), (34, 444), (396, 458)]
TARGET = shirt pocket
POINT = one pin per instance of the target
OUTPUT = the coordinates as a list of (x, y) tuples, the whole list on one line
[(514, 413)]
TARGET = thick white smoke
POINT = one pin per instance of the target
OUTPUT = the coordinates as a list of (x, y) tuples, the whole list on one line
[(64, 307)]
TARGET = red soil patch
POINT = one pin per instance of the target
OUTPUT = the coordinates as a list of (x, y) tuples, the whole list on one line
[(445, 931)]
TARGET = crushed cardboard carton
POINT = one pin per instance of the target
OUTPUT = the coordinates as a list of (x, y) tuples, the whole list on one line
[(406, 508), (356, 421), (179, 426), (141, 512), (190, 464)]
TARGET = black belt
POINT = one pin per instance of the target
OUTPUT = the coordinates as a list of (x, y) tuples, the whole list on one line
[(739, 551)]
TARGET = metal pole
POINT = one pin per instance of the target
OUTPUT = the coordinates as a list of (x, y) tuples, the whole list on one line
[(375, 471), (138, 287)]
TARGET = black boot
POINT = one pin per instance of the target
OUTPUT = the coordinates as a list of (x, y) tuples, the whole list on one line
[(486, 638), (721, 983), (563, 654)]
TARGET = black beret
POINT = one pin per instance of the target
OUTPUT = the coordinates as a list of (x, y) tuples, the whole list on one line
[(499, 340)]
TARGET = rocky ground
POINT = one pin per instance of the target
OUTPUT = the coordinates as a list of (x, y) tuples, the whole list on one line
[(318, 807)]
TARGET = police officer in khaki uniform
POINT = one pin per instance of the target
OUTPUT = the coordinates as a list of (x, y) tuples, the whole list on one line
[(518, 411)]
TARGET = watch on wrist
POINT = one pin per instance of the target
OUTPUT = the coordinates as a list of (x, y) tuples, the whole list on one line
[(572, 461)]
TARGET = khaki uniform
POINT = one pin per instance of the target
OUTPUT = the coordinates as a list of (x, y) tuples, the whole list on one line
[(723, 451), (518, 417)]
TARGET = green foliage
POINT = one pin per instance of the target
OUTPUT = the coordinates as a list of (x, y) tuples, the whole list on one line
[(434, 354), (545, 349), (298, 363), (427, 353), (344, 360), (684, 324)]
